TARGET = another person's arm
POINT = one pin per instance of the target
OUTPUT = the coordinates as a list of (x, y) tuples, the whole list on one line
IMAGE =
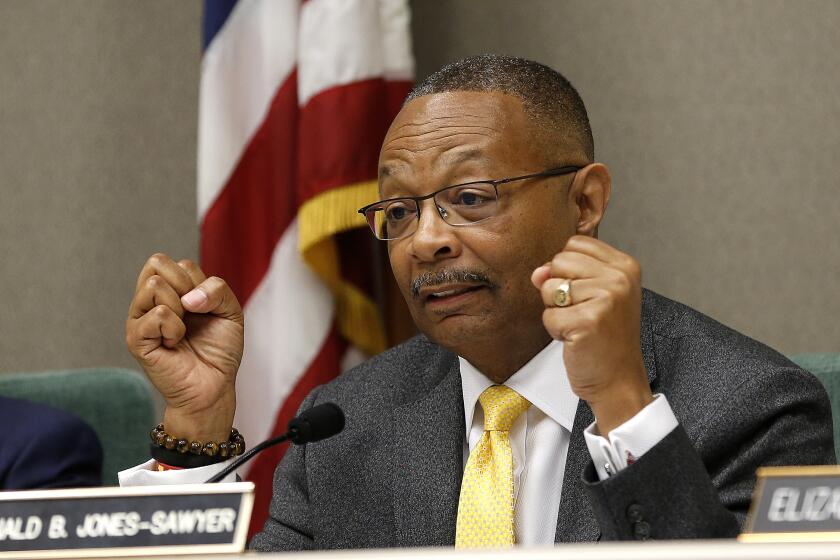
[(47, 448)]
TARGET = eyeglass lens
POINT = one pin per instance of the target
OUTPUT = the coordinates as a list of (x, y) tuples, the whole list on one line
[(460, 205)]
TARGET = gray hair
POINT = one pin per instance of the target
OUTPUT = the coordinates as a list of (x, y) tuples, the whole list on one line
[(547, 97)]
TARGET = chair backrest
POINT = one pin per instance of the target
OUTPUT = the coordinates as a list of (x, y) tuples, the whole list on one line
[(116, 402), (826, 367)]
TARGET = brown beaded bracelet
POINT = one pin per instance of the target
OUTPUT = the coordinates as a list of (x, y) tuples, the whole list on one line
[(212, 450)]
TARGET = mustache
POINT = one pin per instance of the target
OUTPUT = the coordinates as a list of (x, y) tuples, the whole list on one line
[(450, 276)]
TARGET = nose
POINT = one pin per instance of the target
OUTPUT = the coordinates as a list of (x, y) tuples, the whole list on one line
[(434, 238)]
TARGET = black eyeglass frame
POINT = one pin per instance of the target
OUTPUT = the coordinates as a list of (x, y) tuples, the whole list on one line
[(565, 170)]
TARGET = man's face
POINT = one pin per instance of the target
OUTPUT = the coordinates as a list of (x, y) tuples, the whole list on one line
[(474, 281)]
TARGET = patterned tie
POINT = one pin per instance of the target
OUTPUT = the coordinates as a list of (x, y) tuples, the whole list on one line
[(485, 510)]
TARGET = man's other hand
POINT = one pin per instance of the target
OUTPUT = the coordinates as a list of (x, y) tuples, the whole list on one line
[(186, 331), (600, 329)]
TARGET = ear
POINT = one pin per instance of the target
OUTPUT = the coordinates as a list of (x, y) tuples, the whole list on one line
[(589, 194)]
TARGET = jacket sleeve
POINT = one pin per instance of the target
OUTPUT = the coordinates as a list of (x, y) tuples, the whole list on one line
[(684, 489), (289, 523)]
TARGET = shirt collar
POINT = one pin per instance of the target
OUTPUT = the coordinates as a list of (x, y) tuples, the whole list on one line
[(543, 381)]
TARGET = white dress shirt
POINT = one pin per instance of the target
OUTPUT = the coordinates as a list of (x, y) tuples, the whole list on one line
[(146, 474), (539, 439)]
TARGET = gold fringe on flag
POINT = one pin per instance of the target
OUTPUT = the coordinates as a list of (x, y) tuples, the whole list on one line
[(320, 218)]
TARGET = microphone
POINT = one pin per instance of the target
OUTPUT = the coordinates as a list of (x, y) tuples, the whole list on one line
[(315, 424)]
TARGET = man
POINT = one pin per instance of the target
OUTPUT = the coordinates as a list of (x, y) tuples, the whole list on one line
[(549, 398), (44, 447)]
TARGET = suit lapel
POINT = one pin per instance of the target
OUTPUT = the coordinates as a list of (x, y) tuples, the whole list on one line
[(576, 522), (647, 339), (428, 464)]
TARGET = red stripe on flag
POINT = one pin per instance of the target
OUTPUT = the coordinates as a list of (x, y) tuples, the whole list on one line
[(341, 131), (296, 154), (323, 368), (243, 226)]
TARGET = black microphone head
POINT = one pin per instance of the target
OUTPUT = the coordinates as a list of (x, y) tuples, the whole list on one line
[(317, 423)]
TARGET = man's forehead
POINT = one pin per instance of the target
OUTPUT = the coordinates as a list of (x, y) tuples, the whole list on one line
[(441, 109), (456, 126), (451, 158)]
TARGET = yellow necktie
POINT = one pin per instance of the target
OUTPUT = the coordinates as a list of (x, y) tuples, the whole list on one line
[(485, 509)]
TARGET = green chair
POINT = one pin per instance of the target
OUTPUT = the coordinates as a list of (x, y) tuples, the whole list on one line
[(116, 402), (826, 367)]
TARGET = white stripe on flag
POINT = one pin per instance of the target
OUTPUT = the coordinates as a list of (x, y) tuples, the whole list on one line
[(345, 41), (242, 69), (287, 320), (395, 22)]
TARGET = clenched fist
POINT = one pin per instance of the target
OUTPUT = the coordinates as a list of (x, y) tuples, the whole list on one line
[(600, 329), (186, 331)]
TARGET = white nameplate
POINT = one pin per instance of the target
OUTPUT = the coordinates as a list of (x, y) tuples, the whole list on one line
[(795, 504), (133, 521)]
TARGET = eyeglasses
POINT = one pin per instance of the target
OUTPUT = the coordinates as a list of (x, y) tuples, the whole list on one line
[(459, 205)]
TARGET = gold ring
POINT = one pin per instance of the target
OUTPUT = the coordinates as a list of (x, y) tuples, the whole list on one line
[(563, 293)]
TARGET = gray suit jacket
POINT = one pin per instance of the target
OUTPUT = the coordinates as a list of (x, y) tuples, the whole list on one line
[(393, 476)]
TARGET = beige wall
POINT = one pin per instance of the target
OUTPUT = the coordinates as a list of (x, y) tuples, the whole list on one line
[(718, 120), (98, 106)]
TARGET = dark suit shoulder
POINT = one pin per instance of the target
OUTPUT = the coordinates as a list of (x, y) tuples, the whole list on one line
[(706, 339), (45, 447), (398, 375), (705, 367), (32, 419)]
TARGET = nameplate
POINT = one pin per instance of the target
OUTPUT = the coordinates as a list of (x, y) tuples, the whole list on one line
[(795, 504), (134, 521)]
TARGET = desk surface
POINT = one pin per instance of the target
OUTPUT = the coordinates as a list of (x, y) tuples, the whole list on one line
[(676, 550), (673, 550)]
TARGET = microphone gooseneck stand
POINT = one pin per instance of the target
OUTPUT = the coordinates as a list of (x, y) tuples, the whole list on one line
[(317, 423)]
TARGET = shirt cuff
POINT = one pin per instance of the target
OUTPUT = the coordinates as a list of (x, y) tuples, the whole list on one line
[(624, 445), (146, 474)]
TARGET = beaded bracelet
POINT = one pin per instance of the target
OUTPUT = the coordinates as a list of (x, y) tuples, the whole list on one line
[(190, 454)]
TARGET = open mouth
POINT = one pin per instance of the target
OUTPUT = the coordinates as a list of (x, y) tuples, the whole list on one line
[(450, 294)]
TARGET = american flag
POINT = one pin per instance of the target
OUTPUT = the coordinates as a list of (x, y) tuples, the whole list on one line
[(295, 99)]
